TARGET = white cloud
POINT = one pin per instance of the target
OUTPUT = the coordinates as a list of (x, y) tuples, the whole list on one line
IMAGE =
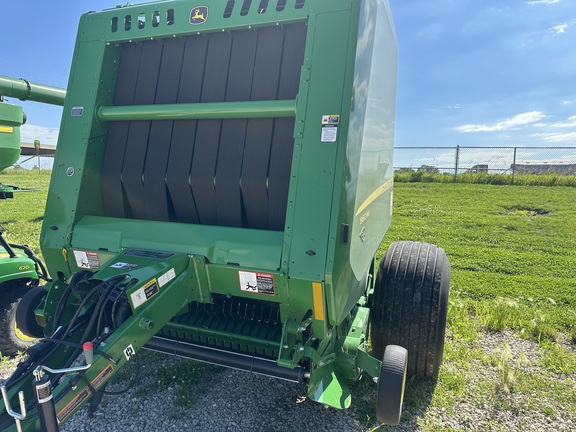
[(518, 120), (560, 28), (570, 123), (546, 2), (46, 135), (557, 137)]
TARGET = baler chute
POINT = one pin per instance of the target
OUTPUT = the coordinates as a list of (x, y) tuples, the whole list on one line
[(222, 184)]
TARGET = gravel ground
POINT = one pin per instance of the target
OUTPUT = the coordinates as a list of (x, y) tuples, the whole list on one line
[(229, 400)]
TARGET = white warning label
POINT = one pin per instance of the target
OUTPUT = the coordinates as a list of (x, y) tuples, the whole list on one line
[(86, 260), (330, 127), (260, 283), (166, 277), (144, 293)]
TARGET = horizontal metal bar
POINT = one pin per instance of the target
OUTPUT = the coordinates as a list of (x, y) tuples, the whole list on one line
[(225, 358), (26, 90), (205, 110)]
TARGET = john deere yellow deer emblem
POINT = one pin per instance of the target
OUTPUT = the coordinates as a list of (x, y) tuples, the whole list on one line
[(198, 15)]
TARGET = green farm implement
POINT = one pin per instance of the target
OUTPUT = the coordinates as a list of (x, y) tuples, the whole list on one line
[(20, 269), (12, 117), (222, 182)]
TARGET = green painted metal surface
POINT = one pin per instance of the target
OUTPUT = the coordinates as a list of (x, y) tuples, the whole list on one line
[(11, 119), (19, 268), (288, 228), (26, 90), (221, 110)]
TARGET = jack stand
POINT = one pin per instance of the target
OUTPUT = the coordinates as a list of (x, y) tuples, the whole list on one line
[(45, 402)]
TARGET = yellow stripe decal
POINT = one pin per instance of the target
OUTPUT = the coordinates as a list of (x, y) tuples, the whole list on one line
[(374, 195), (318, 301), (7, 129)]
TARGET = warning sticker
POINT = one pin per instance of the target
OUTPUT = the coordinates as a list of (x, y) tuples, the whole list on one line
[(329, 133), (85, 393), (166, 277), (330, 127), (330, 119), (87, 260), (144, 293), (260, 283)]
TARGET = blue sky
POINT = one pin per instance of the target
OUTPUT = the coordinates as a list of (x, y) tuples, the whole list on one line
[(471, 72)]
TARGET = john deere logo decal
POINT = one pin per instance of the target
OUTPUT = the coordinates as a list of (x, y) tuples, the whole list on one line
[(198, 15)]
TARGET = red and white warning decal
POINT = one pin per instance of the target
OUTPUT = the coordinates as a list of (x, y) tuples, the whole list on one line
[(86, 260), (259, 283)]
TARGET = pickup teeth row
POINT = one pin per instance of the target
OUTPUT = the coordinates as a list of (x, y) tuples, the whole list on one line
[(219, 324)]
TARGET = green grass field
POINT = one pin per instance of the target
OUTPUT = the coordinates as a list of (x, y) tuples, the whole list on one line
[(513, 254), (512, 248)]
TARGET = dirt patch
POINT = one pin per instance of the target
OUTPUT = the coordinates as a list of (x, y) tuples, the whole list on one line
[(525, 211)]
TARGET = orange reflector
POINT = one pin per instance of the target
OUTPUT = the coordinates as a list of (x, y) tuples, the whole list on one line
[(318, 301)]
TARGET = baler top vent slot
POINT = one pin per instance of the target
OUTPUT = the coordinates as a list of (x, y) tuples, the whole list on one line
[(141, 19), (262, 7)]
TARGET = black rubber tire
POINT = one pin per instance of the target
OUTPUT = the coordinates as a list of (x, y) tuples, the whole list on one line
[(410, 304), (12, 341), (25, 319), (391, 385)]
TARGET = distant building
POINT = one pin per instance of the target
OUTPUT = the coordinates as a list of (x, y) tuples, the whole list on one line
[(481, 168), (565, 169)]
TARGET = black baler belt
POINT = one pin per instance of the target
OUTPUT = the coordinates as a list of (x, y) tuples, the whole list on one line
[(208, 131), (112, 190), (156, 194), (255, 172), (283, 148), (137, 145), (184, 132), (279, 172), (259, 131), (233, 133)]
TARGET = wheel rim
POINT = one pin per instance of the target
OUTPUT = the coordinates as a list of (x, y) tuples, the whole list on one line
[(22, 336)]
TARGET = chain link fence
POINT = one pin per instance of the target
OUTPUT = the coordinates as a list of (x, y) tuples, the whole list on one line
[(514, 161)]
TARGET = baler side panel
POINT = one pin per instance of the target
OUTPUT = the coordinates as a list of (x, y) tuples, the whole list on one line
[(327, 96), (364, 196)]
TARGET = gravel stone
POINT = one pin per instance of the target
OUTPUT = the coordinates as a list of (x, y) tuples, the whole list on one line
[(231, 400)]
